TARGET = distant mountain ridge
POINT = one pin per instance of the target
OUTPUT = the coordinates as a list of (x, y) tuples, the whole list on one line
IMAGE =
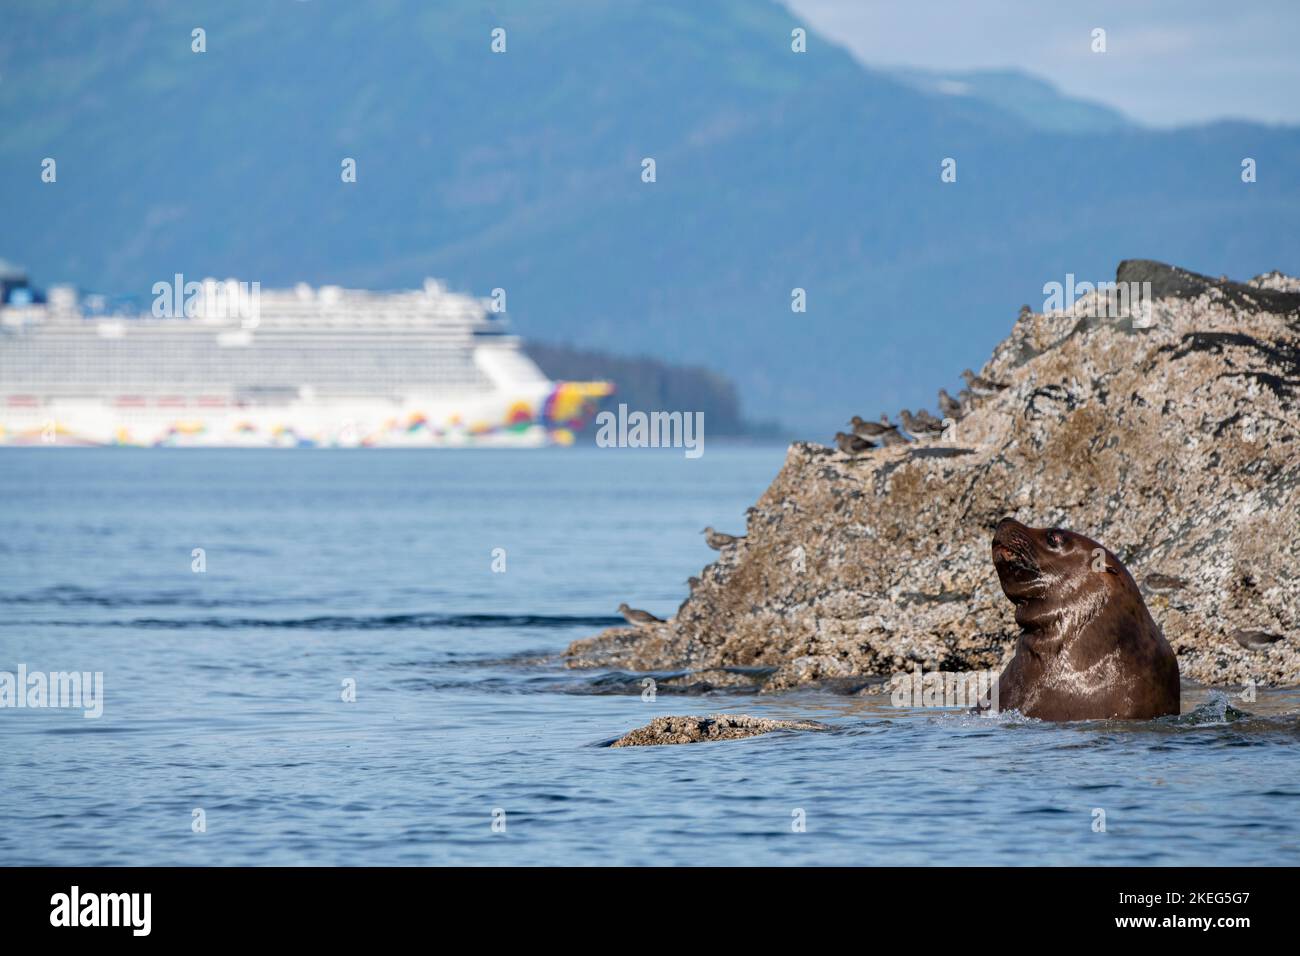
[(522, 170), (1034, 100)]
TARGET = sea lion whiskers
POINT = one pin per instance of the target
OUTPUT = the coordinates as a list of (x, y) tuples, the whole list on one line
[(1014, 552)]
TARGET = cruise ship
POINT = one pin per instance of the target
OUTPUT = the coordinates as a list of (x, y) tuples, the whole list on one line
[(233, 365)]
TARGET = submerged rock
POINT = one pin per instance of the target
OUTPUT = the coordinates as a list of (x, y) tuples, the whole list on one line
[(693, 730), (1173, 440)]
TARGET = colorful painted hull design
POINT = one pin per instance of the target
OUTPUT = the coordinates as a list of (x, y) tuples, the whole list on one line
[(529, 421)]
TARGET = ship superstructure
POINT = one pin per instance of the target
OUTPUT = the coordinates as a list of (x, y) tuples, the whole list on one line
[(232, 364)]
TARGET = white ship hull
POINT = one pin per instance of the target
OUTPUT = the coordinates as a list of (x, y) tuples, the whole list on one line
[(480, 422)]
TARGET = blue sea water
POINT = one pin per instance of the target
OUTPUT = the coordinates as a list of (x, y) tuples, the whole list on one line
[(223, 689)]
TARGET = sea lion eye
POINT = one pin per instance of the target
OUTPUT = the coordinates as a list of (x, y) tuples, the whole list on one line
[(1055, 539)]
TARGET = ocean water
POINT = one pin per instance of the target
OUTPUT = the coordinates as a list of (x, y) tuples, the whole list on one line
[(223, 689)]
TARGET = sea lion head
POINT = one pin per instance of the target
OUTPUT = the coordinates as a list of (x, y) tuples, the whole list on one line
[(1049, 573)]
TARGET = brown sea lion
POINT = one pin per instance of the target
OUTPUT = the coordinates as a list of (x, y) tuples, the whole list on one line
[(1088, 647)]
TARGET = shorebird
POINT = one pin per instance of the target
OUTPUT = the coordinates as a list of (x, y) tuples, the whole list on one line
[(949, 407), (639, 618), (692, 582), (852, 444), (717, 540), (922, 424), (1025, 312), (924, 417), (1155, 581), (1255, 640), (981, 387), (871, 431), (893, 437)]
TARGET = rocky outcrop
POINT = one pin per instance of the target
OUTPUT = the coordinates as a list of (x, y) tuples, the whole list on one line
[(694, 730), (1173, 438)]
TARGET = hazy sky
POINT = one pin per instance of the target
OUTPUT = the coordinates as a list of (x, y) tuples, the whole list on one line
[(1168, 62)]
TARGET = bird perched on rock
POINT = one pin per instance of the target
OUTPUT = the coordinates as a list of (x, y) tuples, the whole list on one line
[(922, 424), (949, 407), (1163, 582), (871, 431), (717, 540), (852, 444), (893, 437), (639, 618), (692, 582), (981, 387), (924, 417), (1255, 640), (1025, 312)]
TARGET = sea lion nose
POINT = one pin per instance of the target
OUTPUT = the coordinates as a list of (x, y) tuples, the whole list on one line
[(1003, 526)]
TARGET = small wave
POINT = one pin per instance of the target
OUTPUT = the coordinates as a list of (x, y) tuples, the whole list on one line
[(70, 596), (348, 622), (1216, 710), (539, 684), (736, 680)]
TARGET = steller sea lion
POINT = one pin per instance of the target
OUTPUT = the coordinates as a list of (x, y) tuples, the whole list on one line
[(1088, 647)]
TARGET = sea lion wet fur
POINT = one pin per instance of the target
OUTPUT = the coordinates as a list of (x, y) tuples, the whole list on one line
[(1088, 647)]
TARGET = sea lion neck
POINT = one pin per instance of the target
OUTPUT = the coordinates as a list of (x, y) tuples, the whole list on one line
[(1037, 616)]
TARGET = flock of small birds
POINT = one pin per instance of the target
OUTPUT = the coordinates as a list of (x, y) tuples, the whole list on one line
[(868, 436)]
